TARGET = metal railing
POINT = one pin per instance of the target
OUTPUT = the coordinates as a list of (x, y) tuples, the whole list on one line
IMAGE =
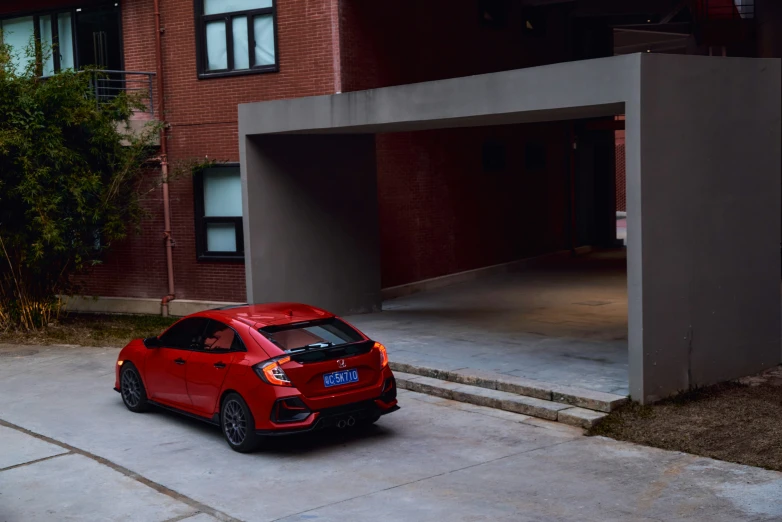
[(107, 84)]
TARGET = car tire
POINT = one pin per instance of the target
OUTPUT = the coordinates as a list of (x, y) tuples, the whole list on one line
[(238, 424), (132, 389)]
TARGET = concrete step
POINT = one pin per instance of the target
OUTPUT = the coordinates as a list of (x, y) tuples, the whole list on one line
[(582, 398), (501, 400)]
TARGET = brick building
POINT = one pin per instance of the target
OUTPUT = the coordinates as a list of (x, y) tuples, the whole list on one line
[(450, 200)]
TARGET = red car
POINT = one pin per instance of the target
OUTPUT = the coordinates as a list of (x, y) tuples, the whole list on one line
[(258, 370)]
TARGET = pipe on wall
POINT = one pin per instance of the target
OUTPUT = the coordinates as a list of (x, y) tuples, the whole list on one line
[(169, 242)]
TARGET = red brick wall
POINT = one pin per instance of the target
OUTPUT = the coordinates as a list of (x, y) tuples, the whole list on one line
[(621, 185), (203, 119), (440, 213), (393, 42)]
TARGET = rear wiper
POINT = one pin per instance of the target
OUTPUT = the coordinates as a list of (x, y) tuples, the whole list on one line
[(324, 344)]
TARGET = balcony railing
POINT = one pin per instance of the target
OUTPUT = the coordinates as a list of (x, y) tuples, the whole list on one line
[(107, 84)]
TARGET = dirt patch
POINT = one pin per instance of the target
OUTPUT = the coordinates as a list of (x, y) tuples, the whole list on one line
[(736, 422), (91, 330)]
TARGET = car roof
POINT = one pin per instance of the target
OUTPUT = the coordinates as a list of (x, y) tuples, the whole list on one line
[(260, 315)]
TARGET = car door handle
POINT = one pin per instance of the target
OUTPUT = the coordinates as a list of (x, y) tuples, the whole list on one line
[(179, 361), (219, 365)]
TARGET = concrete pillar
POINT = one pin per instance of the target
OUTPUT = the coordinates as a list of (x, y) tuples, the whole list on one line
[(311, 221), (704, 216)]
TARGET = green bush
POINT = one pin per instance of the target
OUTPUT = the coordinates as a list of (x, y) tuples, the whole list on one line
[(69, 184)]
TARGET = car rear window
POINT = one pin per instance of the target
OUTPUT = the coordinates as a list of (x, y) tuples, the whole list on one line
[(311, 335)]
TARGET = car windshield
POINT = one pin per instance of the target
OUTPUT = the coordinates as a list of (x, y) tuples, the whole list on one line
[(311, 335)]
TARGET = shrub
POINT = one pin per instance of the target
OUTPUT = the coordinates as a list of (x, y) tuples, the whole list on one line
[(69, 184)]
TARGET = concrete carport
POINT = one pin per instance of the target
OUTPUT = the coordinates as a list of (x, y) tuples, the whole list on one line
[(703, 191)]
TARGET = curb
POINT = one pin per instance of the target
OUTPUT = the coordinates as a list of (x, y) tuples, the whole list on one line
[(587, 399), (500, 400)]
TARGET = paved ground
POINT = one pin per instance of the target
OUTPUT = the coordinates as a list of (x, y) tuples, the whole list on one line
[(69, 451), (564, 324)]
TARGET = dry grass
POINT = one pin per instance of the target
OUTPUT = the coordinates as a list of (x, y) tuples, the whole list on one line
[(732, 422), (91, 330)]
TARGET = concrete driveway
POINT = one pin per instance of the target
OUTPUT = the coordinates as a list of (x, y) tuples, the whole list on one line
[(70, 451), (563, 322)]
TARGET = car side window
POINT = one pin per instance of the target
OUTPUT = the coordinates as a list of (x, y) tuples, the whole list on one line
[(187, 334), (220, 338)]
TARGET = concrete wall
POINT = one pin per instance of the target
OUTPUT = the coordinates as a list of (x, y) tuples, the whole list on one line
[(311, 221), (583, 89), (131, 305), (703, 280), (704, 217)]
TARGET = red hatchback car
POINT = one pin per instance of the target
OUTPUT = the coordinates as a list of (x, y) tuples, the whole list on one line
[(258, 370)]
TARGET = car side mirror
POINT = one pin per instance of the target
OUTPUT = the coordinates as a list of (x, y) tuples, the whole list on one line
[(152, 342)]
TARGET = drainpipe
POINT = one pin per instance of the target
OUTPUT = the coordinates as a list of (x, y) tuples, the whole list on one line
[(164, 165)]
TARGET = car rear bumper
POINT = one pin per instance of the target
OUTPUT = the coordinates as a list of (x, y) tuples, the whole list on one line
[(338, 416)]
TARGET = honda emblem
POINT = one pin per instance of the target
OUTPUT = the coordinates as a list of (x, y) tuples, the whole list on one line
[(341, 363)]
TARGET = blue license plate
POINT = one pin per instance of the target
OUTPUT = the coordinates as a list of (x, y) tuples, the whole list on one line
[(340, 377)]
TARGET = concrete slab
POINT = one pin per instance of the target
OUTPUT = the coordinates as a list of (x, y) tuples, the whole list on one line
[(74, 487), (192, 459), (481, 396), (201, 517), (532, 324), (432, 460), (590, 399), (19, 448), (563, 483), (580, 417)]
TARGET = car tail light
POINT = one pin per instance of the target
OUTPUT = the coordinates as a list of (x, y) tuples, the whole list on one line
[(272, 373), (383, 354)]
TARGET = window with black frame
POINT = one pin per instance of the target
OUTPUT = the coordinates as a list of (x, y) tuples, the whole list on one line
[(66, 39), (53, 34), (218, 212), (236, 37)]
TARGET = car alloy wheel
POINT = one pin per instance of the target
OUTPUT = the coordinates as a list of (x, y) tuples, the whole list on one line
[(238, 424), (131, 388), (234, 422)]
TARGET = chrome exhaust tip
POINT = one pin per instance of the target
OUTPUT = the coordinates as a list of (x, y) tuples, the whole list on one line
[(351, 422)]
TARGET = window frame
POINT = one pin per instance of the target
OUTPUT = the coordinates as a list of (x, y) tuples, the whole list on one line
[(242, 348), (200, 27), (179, 324), (201, 221), (53, 13), (269, 331), (207, 323)]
